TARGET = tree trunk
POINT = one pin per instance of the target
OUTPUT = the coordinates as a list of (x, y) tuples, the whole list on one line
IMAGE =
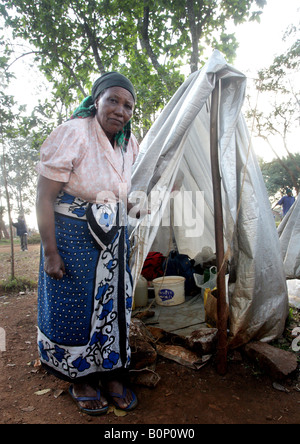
[(144, 39), (194, 35), (3, 230), (12, 268)]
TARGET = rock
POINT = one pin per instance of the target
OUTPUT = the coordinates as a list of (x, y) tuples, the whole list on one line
[(157, 333), (163, 336), (280, 387), (203, 341), (142, 354), (182, 356), (277, 363), (146, 377), (138, 330)]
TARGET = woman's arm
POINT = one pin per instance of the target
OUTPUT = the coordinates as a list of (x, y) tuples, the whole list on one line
[(47, 191)]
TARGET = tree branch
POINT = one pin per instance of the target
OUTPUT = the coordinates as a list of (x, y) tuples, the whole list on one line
[(18, 58), (194, 35), (94, 46), (143, 25)]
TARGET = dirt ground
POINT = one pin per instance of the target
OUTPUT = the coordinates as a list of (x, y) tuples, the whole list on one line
[(183, 396)]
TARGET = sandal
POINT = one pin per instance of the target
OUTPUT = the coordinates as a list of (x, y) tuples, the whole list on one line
[(92, 412), (130, 406)]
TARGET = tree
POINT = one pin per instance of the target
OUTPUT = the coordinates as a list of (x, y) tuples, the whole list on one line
[(7, 130), (73, 41), (279, 84), (279, 176), (15, 170), (4, 176), (3, 230), (21, 160)]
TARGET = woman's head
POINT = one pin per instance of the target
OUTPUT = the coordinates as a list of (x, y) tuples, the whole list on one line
[(112, 79), (114, 99), (114, 109)]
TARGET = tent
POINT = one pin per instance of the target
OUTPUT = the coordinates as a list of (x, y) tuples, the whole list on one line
[(289, 237), (173, 177)]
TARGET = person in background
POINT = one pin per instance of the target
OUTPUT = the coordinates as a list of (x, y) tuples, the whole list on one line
[(21, 232), (85, 284), (286, 201)]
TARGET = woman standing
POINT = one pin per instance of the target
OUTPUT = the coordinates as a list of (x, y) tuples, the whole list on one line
[(85, 285)]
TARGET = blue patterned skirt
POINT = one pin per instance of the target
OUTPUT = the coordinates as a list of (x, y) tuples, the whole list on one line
[(84, 318)]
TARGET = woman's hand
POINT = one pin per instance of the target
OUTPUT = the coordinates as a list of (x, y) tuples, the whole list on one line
[(47, 192), (134, 211), (54, 265)]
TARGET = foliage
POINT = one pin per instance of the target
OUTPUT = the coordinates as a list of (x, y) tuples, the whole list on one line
[(278, 85), (17, 157), (34, 239), (73, 41), (279, 176), (21, 135), (276, 76), (21, 160), (285, 341)]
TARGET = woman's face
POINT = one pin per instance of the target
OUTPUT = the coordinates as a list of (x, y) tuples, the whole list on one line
[(114, 108)]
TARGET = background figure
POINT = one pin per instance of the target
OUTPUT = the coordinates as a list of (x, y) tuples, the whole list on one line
[(286, 201), (21, 232)]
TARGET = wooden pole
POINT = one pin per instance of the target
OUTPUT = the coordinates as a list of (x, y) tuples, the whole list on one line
[(218, 216)]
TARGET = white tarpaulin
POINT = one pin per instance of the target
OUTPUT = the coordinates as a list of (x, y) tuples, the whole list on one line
[(289, 237), (173, 170)]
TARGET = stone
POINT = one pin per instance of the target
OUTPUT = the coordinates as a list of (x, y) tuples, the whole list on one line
[(146, 377), (142, 354), (277, 363), (139, 331), (203, 341), (182, 356)]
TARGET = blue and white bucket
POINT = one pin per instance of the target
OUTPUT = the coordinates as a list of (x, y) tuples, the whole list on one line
[(169, 290)]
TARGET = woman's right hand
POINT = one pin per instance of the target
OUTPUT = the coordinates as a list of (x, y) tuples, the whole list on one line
[(54, 265), (47, 191)]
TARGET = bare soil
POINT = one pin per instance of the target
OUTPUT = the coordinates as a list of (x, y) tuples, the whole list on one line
[(183, 396)]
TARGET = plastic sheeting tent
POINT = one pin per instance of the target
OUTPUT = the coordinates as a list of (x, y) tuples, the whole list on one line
[(172, 176), (289, 237)]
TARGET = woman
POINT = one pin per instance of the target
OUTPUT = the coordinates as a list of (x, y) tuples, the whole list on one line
[(85, 286)]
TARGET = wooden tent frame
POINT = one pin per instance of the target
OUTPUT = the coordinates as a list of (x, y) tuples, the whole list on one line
[(218, 212)]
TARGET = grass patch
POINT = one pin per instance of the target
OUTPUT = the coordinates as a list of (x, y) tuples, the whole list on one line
[(7, 241), (285, 341), (17, 284), (34, 238)]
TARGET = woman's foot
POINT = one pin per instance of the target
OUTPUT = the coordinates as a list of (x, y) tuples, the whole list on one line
[(89, 399), (122, 397)]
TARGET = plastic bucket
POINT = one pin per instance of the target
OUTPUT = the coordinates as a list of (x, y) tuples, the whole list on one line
[(169, 290)]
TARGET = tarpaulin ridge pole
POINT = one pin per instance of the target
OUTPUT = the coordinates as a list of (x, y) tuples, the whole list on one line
[(218, 218)]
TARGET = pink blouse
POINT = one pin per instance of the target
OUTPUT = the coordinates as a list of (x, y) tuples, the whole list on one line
[(79, 154)]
